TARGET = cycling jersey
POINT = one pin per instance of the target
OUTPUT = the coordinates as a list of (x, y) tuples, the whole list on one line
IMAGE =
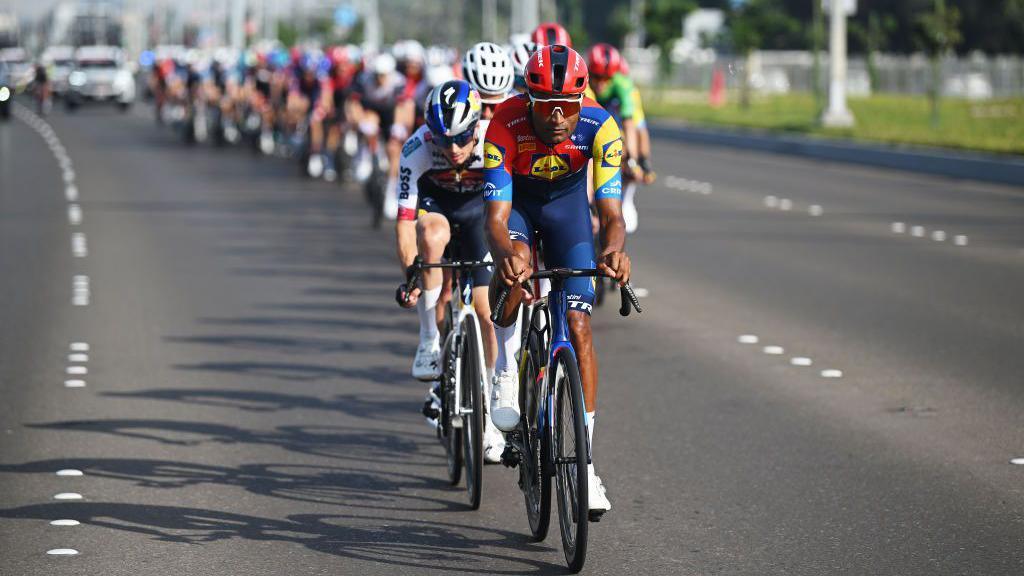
[(428, 183), (617, 97), (550, 184)]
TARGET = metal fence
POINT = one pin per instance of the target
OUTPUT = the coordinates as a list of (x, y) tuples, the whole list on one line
[(977, 77)]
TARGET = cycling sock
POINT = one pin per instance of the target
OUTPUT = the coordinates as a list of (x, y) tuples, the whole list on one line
[(590, 439), (426, 307), (508, 346)]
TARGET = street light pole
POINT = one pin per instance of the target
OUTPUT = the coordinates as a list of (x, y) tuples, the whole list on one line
[(838, 114)]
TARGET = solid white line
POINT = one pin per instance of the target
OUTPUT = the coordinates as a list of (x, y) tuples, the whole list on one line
[(67, 496), (69, 472), (774, 350), (800, 361), (78, 357), (831, 373), (74, 383), (62, 552), (747, 339), (80, 346), (65, 522), (78, 370)]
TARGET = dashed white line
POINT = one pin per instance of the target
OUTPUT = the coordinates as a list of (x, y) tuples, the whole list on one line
[(80, 290), (65, 522), (69, 472), (773, 350), (74, 383), (771, 201), (74, 214), (62, 552), (79, 247), (78, 357), (899, 227), (831, 373), (800, 361), (71, 193), (748, 339), (960, 240), (67, 496), (939, 236), (79, 346), (917, 231), (785, 204), (1017, 461), (69, 176), (77, 370), (815, 210)]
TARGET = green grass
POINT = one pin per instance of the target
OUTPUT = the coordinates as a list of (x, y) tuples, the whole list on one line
[(990, 126)]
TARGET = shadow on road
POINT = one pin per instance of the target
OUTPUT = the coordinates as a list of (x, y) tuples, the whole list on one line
[(391, 541)]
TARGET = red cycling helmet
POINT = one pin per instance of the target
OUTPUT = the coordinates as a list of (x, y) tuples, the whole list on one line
[(551, 33), (556, 69), (604, 60)]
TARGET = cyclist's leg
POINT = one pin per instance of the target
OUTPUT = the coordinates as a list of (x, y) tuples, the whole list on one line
[(473, 246), (432, 235)]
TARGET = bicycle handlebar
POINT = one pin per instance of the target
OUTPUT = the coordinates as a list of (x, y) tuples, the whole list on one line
[(629, 299), (415, 271)]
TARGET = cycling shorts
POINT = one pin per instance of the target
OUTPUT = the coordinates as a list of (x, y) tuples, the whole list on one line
[(564, 225), (466, 212)]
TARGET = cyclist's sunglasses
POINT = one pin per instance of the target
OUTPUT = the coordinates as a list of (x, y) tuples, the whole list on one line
[(547, 104), (459, 140)]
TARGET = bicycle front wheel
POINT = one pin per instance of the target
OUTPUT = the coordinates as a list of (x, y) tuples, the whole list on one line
[(533, 474), (472, 412), (569, 439), (451, 438)]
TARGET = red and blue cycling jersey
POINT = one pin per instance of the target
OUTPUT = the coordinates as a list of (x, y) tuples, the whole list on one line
[(550, 184)]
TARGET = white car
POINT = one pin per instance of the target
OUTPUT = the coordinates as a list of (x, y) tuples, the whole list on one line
[(20, 72), (100, 75)]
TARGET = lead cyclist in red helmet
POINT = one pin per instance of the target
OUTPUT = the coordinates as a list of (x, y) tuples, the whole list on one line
[(551, 33), (538, 146)]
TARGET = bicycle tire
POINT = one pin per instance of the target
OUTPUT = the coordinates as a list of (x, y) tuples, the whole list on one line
[(570, 461), (450, 439), (473, 421), (534, 478)]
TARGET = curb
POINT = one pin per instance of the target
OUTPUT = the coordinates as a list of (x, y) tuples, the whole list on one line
[(953, 164)]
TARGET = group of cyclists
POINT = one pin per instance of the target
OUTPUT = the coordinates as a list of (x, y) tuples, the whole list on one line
[(499, 148)]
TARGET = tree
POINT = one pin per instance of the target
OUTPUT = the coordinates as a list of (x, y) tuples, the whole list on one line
[(663, 24), (757, 24), (875, 38), (938, 35)]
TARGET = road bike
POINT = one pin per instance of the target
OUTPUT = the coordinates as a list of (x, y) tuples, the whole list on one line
[(456, 404), (551, 440)]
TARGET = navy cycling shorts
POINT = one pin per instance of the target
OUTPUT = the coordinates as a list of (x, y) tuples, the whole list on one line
[(465, 215), (564, 225)]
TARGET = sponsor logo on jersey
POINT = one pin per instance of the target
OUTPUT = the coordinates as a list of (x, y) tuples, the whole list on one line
[(490, 190), (589, 121), (527, 147), (612, 154), (516, 121), (525, 137), (411, 146), (492, 156), (550, 166)]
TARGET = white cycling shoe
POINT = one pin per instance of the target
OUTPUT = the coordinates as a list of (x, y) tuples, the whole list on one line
[(596, 497), (315, 166), (505, 400), (427, 365), (494, 443)]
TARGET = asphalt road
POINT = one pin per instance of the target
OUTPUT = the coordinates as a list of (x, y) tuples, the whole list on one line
[(246, 406)]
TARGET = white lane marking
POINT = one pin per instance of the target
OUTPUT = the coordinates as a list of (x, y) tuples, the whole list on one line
[(71, 193), (800, 361), (1017, 461), (74, 214), (79, 346), (785, 204), (917, 231), (815, 210), (78, 357), (65, 522), (774, 350), (69, 472), (831, 373), (78, 245), (899, 227), (62, 552), (80, 290), (77, 370), (939, 236), (748, 339), (960, 240), (69, 176), (771, 201), (67, 496), (705, 188), (74, 383)]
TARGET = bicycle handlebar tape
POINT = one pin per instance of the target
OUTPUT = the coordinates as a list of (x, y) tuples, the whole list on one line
[(401, 295), (628, 298), (499, 305)]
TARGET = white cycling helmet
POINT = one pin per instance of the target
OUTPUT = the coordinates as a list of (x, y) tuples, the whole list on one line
[(520, 49), (487, 67), (384, 64)]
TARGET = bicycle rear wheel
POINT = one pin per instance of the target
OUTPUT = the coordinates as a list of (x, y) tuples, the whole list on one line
[(569, 439), (472, 403), (534, 478)]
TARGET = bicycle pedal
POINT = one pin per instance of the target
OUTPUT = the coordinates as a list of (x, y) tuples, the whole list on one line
[(510, 457), (595, 515), (430, 411)]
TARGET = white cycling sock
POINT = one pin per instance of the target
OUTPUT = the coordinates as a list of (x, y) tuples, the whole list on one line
[(508, 346), (590, 439), (426, 307)]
